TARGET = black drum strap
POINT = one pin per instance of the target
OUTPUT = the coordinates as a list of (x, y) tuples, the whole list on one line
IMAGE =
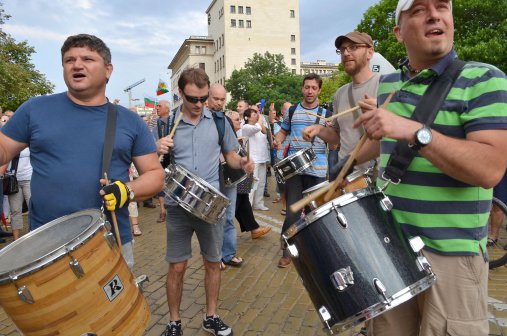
[(107, 151)]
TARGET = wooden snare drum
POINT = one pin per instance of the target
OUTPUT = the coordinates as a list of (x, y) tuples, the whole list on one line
[(69, 278)]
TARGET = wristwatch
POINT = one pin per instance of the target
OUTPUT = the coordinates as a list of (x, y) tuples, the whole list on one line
[(130, 191), (423, 137)]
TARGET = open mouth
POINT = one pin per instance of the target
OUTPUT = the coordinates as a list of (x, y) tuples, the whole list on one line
[(78, 76), (435, 32)]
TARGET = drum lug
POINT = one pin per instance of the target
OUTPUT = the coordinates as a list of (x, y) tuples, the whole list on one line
[(324, 314), (386, 204), (343, 278), (293, 250), (76, 267), (381, 289), (109, 238), (424, 265), (340, 216), (25, 295), (416, 243), (140, 280)]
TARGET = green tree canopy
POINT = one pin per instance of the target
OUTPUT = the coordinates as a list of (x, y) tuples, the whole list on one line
[(19, 80), (480, 30), (332, 83), (264, 76)]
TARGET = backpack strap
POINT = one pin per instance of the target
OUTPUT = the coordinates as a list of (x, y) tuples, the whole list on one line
[(219, 119)]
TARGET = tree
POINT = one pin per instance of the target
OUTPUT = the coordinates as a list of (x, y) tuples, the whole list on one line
[(19, 80), (331, 84), (480, 30), (264, 76)]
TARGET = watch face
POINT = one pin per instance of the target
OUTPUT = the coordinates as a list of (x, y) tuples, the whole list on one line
[(424, 136)]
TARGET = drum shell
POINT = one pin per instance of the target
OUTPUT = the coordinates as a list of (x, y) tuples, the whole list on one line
[(370, 245), (194, 194), (232, 176), (294, 164), (67, 305)]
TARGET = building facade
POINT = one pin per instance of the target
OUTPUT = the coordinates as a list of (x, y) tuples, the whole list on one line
[(236, 30), (321, 68)]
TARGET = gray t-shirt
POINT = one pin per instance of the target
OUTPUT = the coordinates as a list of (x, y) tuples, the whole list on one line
[(349, 136)]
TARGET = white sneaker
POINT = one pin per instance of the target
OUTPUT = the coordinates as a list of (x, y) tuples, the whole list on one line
[(262, 208)]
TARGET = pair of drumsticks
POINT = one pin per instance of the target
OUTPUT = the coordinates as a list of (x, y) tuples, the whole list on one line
[(331, 188)]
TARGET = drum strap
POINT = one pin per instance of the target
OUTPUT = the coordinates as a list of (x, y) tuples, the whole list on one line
[(107, 151), (425, 112)]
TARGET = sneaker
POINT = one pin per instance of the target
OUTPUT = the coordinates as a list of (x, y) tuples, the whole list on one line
[(262, 208), (173, 329), (213, 324)]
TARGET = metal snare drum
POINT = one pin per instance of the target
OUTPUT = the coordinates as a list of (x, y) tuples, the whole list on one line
[(294, 164), (194, 194), (68, 277), (353, 262)]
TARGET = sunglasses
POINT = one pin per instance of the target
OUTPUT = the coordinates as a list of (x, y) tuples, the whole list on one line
[(195, 100)]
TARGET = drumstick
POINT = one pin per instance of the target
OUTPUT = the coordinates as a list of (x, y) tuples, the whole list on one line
[(308, 199), (115, 223), (161, 157), (315, 115), (334, 116), (352, 157)]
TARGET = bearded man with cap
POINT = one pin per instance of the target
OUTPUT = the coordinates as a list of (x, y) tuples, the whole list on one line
[(445, 195)]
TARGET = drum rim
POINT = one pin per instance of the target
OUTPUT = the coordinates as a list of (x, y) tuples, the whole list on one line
[(316, 187), (326, 208), (58, 252), (229, 185), (284, 160), (200, 180)]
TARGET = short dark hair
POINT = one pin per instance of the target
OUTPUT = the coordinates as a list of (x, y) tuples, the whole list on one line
[(195, 76), (313, 76), (248, 112), (90, 41)]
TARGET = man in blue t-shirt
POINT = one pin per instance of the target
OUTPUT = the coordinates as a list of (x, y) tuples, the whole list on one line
[(65, 133)]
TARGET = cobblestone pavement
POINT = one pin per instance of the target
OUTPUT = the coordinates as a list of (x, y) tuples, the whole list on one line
[(256, 299)]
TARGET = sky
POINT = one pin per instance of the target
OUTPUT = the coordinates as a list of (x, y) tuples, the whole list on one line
[(145, 35)]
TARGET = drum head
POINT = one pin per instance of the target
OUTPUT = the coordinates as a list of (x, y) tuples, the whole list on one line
[(48, 242)]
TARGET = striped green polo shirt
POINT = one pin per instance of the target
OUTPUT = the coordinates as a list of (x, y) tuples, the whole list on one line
[(449, 215)]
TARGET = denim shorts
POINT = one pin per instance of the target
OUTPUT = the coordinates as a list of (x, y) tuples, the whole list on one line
[(181, 225)]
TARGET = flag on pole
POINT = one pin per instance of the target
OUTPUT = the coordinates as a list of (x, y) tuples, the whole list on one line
[(162, 87), (149, 102)]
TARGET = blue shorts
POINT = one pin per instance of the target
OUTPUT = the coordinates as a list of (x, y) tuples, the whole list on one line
[(181, 225)]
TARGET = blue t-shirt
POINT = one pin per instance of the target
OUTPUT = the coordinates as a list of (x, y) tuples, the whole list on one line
[(66, 142)]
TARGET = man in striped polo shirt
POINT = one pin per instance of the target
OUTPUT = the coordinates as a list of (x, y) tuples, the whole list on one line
[(445, 195), (294, 125)]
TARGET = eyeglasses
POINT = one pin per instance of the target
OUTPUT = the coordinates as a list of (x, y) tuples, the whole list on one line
[(350, 48), (195, 100)]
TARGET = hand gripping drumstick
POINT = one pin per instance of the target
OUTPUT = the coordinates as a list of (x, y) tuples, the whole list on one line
[(161, 157), (115, 223), (353, 154)]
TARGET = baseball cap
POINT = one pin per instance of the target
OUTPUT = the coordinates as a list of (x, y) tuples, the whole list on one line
[(356, 37), (404, 5)]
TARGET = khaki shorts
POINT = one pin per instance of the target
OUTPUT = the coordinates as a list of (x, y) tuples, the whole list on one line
[(181, 226), (456, 304)]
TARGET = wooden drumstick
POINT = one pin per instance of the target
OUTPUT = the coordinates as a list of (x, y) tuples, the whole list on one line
[(308, 199), (161, 157), (334, 116), (115, 222), (352, 157)]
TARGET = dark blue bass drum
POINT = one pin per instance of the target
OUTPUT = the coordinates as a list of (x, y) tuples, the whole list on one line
[(353, 262)]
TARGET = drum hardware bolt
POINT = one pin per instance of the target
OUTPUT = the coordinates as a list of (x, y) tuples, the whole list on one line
[(293, 250), (416, 243), (76, 267), (89, 334), (381, 289), (340, 216), (109, 238), (324, 314), (423, 264), (343, 278), (140, 280), (25, 295), (386, 204), (387, 240)]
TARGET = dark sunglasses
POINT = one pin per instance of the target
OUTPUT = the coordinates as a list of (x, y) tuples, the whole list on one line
[(195, 100)]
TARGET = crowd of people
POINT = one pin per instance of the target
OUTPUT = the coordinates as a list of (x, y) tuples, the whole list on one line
[(443, 195)]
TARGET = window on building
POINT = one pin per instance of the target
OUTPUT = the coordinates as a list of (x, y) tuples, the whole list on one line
[(233, 9), (293, 51), (220, 64), (223, 40), (202, 66), (233, 23), (293, 61), (292, 13), (293, 71), (220, 42), (248, 10), (248, 23), (293, 38), (240, 9), (203, 50), (197, 49), (241, 23)]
